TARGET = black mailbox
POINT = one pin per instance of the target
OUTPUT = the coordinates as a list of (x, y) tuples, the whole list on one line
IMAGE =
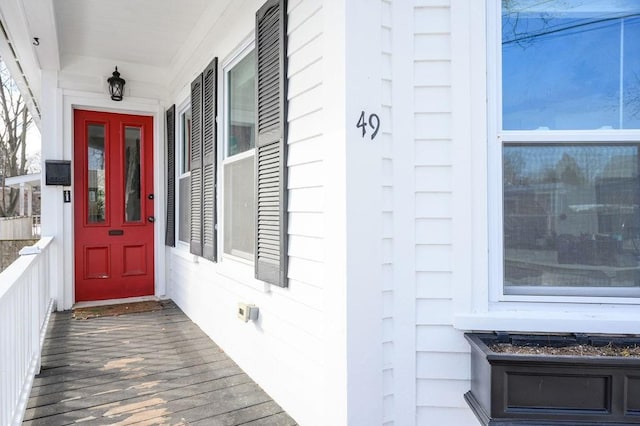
[(58, 172)]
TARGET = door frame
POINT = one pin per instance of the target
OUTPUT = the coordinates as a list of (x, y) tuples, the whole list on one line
[(64, 289)]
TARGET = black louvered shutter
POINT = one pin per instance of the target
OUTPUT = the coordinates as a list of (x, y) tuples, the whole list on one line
[(196, 167), (271, 171), (170, 236), (209, 113)]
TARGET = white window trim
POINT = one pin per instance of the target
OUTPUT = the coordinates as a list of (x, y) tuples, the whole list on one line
[(232, 60), (478, 299), (181, 129), (184, 106)]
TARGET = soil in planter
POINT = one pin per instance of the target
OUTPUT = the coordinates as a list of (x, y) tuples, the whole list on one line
[(583, 350)]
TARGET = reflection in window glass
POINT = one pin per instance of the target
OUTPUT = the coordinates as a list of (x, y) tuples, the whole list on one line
[(96, 167), (239, 217), (570, 64), (186, 142), (184, 209), (571, 216), (241, 125), (184, 180), (132, 174)]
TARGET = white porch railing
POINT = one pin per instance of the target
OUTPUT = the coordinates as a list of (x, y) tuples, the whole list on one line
[(25, 306)]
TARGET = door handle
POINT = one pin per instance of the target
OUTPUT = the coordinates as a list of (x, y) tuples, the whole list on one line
[(151, 219)]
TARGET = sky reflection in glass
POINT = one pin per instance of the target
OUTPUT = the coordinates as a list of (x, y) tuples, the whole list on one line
[(570, 65)]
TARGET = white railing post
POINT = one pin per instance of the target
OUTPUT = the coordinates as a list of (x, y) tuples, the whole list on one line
[(35, 314)]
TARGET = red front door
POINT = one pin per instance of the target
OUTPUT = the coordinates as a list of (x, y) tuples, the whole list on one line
[(113, 216)]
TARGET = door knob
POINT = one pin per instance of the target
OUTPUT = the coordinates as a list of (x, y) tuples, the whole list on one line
[(151, 219)]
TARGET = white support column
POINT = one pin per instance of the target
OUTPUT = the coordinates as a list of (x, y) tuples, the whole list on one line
[(51, 196), (29, 200), (22, 199), (404, 214), (363, 89), (335, 285)]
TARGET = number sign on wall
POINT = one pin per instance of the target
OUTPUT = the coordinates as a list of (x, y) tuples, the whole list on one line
[(373, 122)]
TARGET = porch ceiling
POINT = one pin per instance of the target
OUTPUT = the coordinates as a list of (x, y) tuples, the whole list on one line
[(149, 32), (84, 39)]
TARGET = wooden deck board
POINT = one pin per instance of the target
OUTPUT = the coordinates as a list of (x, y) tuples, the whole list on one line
[(242, 416), (148, 368)]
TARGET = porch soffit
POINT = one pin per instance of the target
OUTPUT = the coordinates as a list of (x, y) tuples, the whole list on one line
[(148, 32)]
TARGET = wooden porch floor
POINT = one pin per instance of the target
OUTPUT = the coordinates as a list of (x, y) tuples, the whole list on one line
[(155, 368)]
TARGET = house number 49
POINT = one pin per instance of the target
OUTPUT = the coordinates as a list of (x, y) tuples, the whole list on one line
[(373, 122)]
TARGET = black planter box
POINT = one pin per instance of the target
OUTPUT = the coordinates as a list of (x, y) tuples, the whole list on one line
[(516, 389)]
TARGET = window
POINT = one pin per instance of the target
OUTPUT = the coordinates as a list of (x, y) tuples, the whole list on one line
[(238, 165), (184, 177), (253, 154), (569, 141)]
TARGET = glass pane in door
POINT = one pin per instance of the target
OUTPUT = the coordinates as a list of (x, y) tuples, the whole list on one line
[(96, 198), (132, 174)]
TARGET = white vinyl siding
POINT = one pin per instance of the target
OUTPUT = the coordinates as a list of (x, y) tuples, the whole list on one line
[(284, 351), (417, 197), (416, 184), (305, 165), (388, 325), (442, 358)]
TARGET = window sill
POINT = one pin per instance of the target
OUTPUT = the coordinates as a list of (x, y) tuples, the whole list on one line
[(622, 322), (234, 268), (182, 250), (241, 271)]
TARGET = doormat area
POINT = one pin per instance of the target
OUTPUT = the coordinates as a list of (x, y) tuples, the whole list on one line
[(115, 310)]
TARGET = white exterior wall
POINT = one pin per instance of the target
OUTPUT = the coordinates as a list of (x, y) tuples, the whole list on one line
[(320, 344), (442, 360), (296, 350), (285, 349), (302, 350), (363, 335), (387, 211), (387, 237), (426, 360)]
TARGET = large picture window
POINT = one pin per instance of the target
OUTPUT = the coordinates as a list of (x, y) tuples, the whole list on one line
[(239, 163), (570, 146)]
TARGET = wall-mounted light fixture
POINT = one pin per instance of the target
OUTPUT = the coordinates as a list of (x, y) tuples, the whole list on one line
[(116, 86)]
